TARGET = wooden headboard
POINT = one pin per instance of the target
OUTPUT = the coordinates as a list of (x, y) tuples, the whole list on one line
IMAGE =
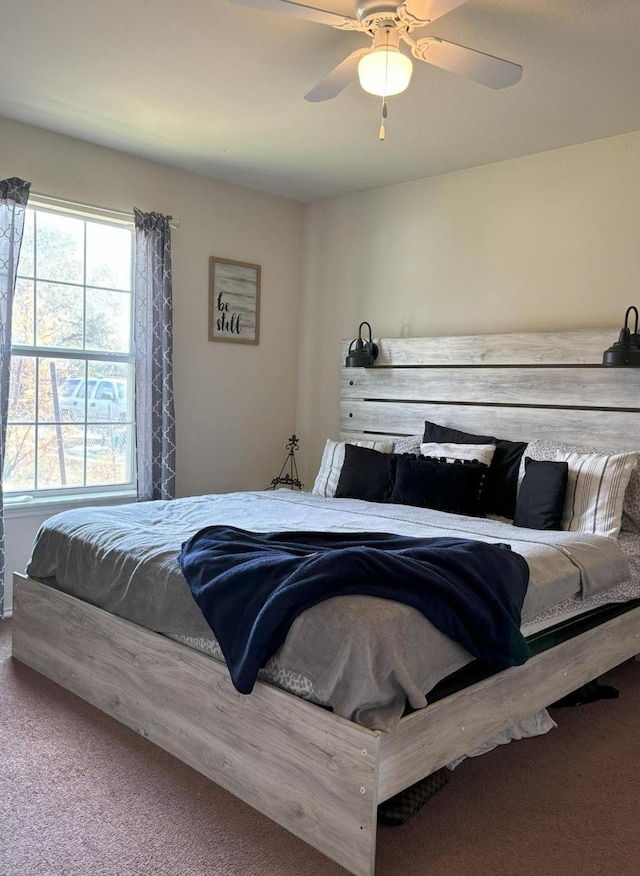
[(516, 386)]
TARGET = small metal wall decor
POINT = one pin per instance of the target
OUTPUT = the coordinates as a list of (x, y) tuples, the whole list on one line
[(289, 478), (626, 350)]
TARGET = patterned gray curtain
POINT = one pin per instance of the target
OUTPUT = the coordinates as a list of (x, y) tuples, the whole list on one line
[(155, 422), (14, 194)]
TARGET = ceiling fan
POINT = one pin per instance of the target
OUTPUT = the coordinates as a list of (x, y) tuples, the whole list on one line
[(382, 68)]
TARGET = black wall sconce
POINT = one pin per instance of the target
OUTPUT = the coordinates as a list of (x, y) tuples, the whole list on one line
[(626, 350), (365, 352)]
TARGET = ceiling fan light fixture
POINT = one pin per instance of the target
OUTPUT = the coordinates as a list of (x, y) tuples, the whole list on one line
[(385, 71)]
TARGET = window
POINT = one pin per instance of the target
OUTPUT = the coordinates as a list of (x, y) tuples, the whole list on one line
[(70, 423)]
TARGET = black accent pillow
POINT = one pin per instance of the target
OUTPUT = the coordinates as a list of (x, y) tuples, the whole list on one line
[(446, 486), (366, 474), (542, 492), (501, 488)]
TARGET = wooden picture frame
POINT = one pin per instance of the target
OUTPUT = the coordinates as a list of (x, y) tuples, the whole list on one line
[(234, 301)]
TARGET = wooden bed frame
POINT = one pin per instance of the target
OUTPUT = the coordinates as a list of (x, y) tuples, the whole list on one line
[(316, 774)]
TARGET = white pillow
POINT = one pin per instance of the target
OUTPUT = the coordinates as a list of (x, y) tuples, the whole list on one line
[(451, 452), (332, 461), (597, 483)]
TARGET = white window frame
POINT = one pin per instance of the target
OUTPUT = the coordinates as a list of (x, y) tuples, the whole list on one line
[(15, 499)]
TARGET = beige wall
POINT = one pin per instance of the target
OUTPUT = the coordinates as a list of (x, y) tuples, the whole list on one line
[(546, 242), (235, 403), (550, 241)]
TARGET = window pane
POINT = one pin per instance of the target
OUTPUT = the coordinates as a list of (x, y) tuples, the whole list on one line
[(108, 256), (26, 264), (108, 321), (59, 248), (19, 461), (59, 315), (22, 318), (70, 420), (69, 388), (59, 388), (73, 443), (110, 397), (60, 456), (107, 454), (22, 390)]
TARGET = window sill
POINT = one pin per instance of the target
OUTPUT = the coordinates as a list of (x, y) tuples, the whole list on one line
[(53, 505)]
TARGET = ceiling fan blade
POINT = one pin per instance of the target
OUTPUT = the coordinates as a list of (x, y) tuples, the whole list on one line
[(485, 69), (297, 10), (429, 10), (338, 79)]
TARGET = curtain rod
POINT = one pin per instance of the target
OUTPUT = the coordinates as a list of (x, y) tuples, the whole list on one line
[(117, 215)]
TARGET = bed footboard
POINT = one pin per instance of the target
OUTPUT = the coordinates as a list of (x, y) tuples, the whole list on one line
[(307, 769), (312, 772)]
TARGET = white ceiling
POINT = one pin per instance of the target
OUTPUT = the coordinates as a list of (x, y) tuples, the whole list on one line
[(218, 89)]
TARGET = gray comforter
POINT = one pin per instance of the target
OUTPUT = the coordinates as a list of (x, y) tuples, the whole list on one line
[(364, 656)]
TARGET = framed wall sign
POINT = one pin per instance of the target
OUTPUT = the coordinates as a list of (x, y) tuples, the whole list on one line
[(234, 301)]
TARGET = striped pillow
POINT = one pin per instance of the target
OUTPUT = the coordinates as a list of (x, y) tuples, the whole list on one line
[(598, 480), (333, 459)]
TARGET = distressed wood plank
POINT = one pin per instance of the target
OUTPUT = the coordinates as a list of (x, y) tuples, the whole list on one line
[(530, 348), (432, 737), (298, 764), (614, 429), (580, 387)]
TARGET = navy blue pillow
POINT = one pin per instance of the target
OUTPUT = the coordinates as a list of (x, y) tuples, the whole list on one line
[(427, 483), (366, 474), (499, 495), (542, 492)]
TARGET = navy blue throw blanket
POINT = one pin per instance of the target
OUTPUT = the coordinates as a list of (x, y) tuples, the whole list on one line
[(251, 587)]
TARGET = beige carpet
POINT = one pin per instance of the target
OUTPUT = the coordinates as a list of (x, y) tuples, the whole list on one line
[(80, 795)]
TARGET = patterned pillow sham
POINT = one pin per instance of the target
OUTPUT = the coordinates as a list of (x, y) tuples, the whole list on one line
[(408, 444), (596, 488), (631, 507), (332, 461)]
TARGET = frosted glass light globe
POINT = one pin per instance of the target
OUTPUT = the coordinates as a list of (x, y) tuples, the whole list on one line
[(385, 71)]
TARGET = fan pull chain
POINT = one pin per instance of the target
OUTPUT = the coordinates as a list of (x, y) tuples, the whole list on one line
[(383, 116), (382, 132)]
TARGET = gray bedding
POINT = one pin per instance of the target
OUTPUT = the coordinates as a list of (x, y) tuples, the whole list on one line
[(364, 656)]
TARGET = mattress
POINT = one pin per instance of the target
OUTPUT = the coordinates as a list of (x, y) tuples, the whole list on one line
[(629, 544), (364, 657), (294, 682)]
